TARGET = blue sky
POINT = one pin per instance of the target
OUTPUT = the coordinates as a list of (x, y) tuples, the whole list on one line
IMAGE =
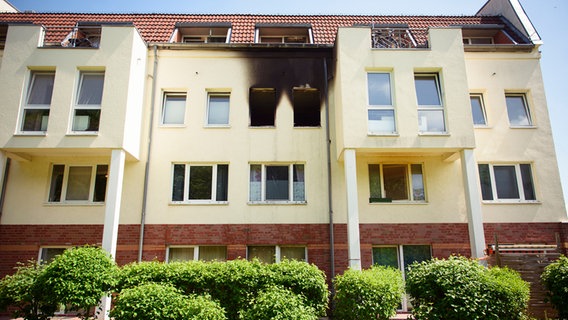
[(548, 17)]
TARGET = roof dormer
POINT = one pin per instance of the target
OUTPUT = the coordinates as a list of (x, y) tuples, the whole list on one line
[(204, 32), (283, 33)]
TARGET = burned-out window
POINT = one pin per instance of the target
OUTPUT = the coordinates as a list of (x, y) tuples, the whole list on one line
[(262, 104), (306, 107)]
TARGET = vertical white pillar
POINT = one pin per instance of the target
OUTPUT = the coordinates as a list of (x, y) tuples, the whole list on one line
[(3, 159), (473, 203), (354, 247)]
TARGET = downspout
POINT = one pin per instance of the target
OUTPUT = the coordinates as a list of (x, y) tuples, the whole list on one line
[(4, 184), (149, 152), (329, 188)]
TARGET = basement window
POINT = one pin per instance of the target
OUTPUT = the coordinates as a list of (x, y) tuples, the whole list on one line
[(262, 107), (306, 107), (46, 254), (193, 253), (208, 32), (275, 254), (283, 33)]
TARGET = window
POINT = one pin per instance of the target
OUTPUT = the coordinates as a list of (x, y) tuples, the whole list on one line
[(277, 33), (478, 110), (401, 257), (202, 32), (478, 40), (38, 101), (306, 107), (218, 109), (518, 110), (506, 182), (88, 105), (381, 110), (173, 111), (277, 183), (200, 183), (47, 254), (275, 254), (80, 183), (202, 253), (262, 106), (396, 182), (430, 108)]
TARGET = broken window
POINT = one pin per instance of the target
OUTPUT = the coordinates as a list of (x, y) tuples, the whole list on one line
[(208, 32), (306, 107), (262, 104), (281, 33)]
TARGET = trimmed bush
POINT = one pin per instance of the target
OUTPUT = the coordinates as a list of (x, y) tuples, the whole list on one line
[(278, 303), (369, 294), (555, 279), (460, 288), (163, 301)]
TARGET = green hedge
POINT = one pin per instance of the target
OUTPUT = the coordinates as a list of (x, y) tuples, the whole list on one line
[(369, 294), (278, 303), (555, 279)]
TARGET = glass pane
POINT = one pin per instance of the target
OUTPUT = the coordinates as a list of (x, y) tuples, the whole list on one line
[(381, 121), (181, 254), (506, 182), (431, 121), (222, 182), (35, 120), (174, 110), (299, 185), (86, 120), (100, 183), (255, 182), (56, 183), (78, 183), (218, 110), (528, 186), (395, 181), (293, 253), (415, 253), (517, 111), (485, 181), (41, 89), (375, 181), (477, 110), (91, 91), (266, 254), (427, 92), (277, 187), (210, 253), (417, 182), (379, 89), (47, 254), (386, 256), (200, 182), (178, 183)]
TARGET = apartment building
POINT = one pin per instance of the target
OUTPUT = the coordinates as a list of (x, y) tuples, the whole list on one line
[(344, 141)]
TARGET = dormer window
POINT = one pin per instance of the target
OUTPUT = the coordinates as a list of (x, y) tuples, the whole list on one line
[(214, 32), (478, 40), (84, 34), (485, 34), (283, 33)]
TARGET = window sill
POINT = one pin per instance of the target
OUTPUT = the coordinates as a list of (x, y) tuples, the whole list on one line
[(31, 134), (172, 126), (383, 134), (74, 203), (434, 134), (523, 127), (481, 127), (400, 202), (262, 127), (80, 133), (199, 203), (254, 203), (307, 127), (217, 126), (509, 202)]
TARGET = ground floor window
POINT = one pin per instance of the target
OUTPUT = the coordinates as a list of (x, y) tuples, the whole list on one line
[(507, 182), (277, 183), (200, 183), (73, 183), (46, 254), (275, 254), (396, 182), (191, 253)]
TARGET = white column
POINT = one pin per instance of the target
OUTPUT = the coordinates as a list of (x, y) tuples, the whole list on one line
[(3, 159), (354, 247), (473, 204)]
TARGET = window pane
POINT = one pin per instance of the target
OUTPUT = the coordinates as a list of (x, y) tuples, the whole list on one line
[(86, 120), (379, 89), (431, 121), (415, 253), (375, 181), (485, 181), (266, 254), (477, 110), (277, 187), (174, 110), (78, 183), (178, 183), (200, 182), (210, 253), (506, 182), (417, 182), (218, 110), (91, 90), (381, 121), (56, 183), (299, 185), (35, 120), (47, 254), (395, 181), (293, 253), (181, 254), (427, 91), (41, 89), (222, 182), (386, 256), (100, 183), (517, 111), (255, 182), (528, 186)]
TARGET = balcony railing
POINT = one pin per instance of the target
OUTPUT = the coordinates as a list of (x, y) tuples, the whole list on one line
[(72, 37), (398, 38)]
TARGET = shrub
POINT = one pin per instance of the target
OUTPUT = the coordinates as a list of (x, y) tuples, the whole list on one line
[(555, 279), (163, 301), (460, 288), (278, 303), (135, 274), (369, 294)]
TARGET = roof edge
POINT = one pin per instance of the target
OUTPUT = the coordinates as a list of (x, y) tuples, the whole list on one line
[(513, 11)]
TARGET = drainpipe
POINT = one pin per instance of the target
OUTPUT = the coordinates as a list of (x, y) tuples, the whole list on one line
[(4, 184), (149, 152), (329, 188)]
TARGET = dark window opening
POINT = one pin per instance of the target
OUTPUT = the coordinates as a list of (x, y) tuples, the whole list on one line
[(306, 107), (262, 106)]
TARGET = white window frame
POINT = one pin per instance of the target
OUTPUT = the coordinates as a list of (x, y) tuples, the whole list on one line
[(278, 250), (285, 33), (195, 251), (483, 111), (65, 186), (42, 248), (409, 186), (426, 108), (388, 107), (28, 106), (526, 108), (86, 106), (218, 94), (214, 173), (204, 38), (519, 180), (164, 101), (290, 200)]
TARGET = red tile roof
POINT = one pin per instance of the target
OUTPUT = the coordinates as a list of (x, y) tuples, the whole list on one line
[(159, 27)]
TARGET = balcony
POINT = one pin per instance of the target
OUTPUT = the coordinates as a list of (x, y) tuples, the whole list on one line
[(398, 36)]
